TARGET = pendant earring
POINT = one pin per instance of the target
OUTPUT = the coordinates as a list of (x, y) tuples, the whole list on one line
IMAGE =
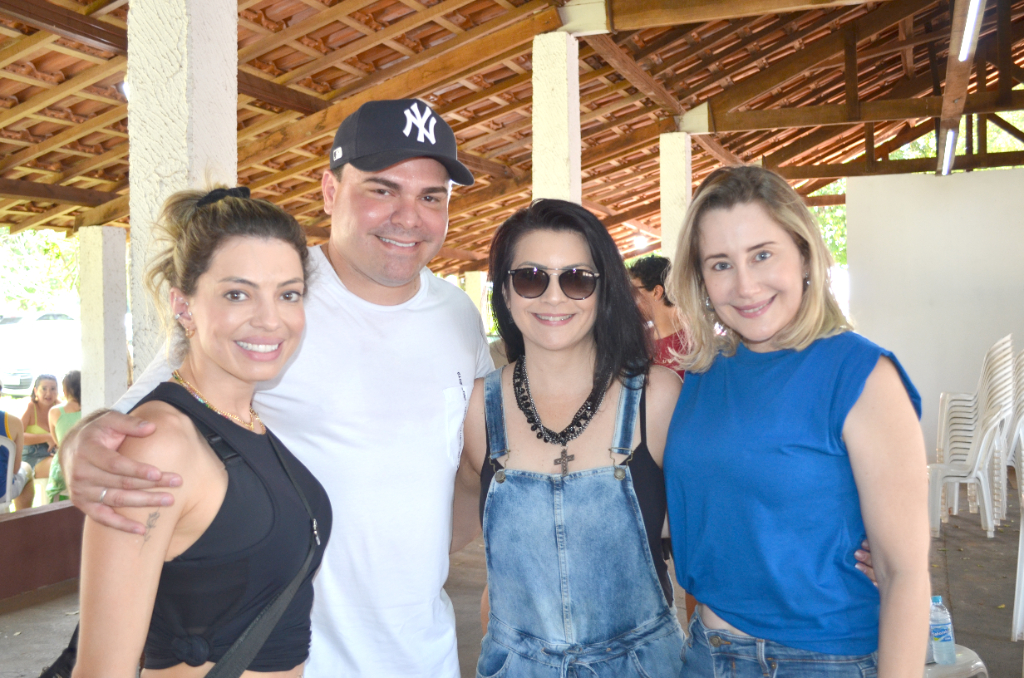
[(707, 304), (807, 282), (189, 333)]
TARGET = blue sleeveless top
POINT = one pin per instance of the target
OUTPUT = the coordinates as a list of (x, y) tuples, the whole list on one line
[(763, 508)]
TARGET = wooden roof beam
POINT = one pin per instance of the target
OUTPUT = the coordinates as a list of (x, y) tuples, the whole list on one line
[(65, 137), (103, 214), (633, 72), (66, 195), (74, 26), (787, 68), (636, 14), (68, 24), (459, 60), (954, 91), (646, 83), (914, 165), (870, 111), (717, 150), (434, 53), (411, 21)]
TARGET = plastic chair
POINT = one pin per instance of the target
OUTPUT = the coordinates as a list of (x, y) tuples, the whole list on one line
[(968, 664), (6, 444), (1015, 434), (960, 415)]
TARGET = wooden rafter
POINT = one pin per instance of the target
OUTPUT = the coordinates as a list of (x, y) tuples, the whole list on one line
[(636, 14), (67, 23), (326, 122), (801, 61), (958, 75), (65, 195), (870, 111), (86, 30), (103, 214), (836, 171)]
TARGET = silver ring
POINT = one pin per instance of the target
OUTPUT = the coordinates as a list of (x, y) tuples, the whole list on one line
[(103, 494)]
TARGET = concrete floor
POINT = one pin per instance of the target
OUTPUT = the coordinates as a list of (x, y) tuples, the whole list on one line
[(974, 575), (33, 636)]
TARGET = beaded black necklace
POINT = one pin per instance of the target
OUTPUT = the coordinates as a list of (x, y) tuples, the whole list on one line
[(521, 387)]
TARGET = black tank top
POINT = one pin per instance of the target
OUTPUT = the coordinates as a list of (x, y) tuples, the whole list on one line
[(649, 485), (255, 545)]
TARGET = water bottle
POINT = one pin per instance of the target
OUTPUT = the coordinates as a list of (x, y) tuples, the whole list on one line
[(942, 633)]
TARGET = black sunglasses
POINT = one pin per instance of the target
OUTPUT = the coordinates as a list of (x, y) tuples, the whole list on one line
[(531, 282)]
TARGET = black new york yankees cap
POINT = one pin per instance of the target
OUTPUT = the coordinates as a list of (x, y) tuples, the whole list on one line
[(382, 133)]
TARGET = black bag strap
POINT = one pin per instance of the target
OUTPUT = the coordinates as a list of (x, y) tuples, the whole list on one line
[(241, 653)]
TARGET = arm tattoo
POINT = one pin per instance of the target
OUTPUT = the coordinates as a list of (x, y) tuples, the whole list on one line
[(150, 524)]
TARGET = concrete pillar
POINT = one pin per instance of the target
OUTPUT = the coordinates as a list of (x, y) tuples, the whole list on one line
[(556, 117), (183, 78), (676, 187), (103, 286)]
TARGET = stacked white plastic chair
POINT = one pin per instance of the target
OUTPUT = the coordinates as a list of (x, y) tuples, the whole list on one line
[(1016, 443), (1015, 439), (972, 444), (6, 499)]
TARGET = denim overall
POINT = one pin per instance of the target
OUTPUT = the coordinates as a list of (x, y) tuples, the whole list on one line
[(573, 589)]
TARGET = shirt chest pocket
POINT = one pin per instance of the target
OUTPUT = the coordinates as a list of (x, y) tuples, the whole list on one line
[(456, 402)]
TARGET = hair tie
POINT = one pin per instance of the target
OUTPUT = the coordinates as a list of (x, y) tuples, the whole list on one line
[(218, 194)]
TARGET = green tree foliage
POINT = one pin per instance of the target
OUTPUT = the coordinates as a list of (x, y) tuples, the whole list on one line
[(832, 221), (38, 271)]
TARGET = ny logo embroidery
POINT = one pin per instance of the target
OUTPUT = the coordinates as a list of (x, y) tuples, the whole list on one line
[(413, 117)]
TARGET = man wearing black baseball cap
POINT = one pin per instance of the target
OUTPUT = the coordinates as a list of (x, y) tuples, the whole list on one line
[(382, 133), (372, 403)]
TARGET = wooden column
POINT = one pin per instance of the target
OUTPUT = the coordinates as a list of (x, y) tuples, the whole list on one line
[(182, 127), (556, 117)]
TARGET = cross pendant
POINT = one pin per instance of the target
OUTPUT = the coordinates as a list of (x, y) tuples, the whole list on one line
[(564, 461)]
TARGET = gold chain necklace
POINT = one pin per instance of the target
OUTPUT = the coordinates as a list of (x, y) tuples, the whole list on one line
[(253, 417)]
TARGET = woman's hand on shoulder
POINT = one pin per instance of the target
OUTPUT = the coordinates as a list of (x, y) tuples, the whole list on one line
[(663, 388)]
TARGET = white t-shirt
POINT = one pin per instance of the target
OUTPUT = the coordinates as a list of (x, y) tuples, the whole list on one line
[(373, 404)]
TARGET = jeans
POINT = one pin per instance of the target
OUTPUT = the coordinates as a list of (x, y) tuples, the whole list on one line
[(708, 653), (34, 454), (573, 588)]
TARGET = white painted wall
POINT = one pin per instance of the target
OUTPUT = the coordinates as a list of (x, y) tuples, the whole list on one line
[(937, 273)]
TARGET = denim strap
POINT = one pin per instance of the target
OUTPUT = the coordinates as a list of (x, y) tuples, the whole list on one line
[(625, 418), (497, 439)]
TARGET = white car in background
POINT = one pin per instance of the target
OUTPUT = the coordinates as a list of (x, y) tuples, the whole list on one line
[(37, 343)]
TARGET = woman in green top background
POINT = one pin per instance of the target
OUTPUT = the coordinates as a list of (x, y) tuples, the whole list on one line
[(61, 420)]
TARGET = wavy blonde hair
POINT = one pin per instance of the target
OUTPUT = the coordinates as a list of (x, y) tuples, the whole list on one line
[(819, 314)]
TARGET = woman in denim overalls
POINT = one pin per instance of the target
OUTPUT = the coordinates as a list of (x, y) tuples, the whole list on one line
[(572, 496)]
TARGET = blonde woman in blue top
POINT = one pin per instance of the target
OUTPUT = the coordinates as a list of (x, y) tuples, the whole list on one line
[(792, 440)]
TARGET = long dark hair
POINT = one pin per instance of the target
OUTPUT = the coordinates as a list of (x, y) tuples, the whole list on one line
[(623, 344)]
